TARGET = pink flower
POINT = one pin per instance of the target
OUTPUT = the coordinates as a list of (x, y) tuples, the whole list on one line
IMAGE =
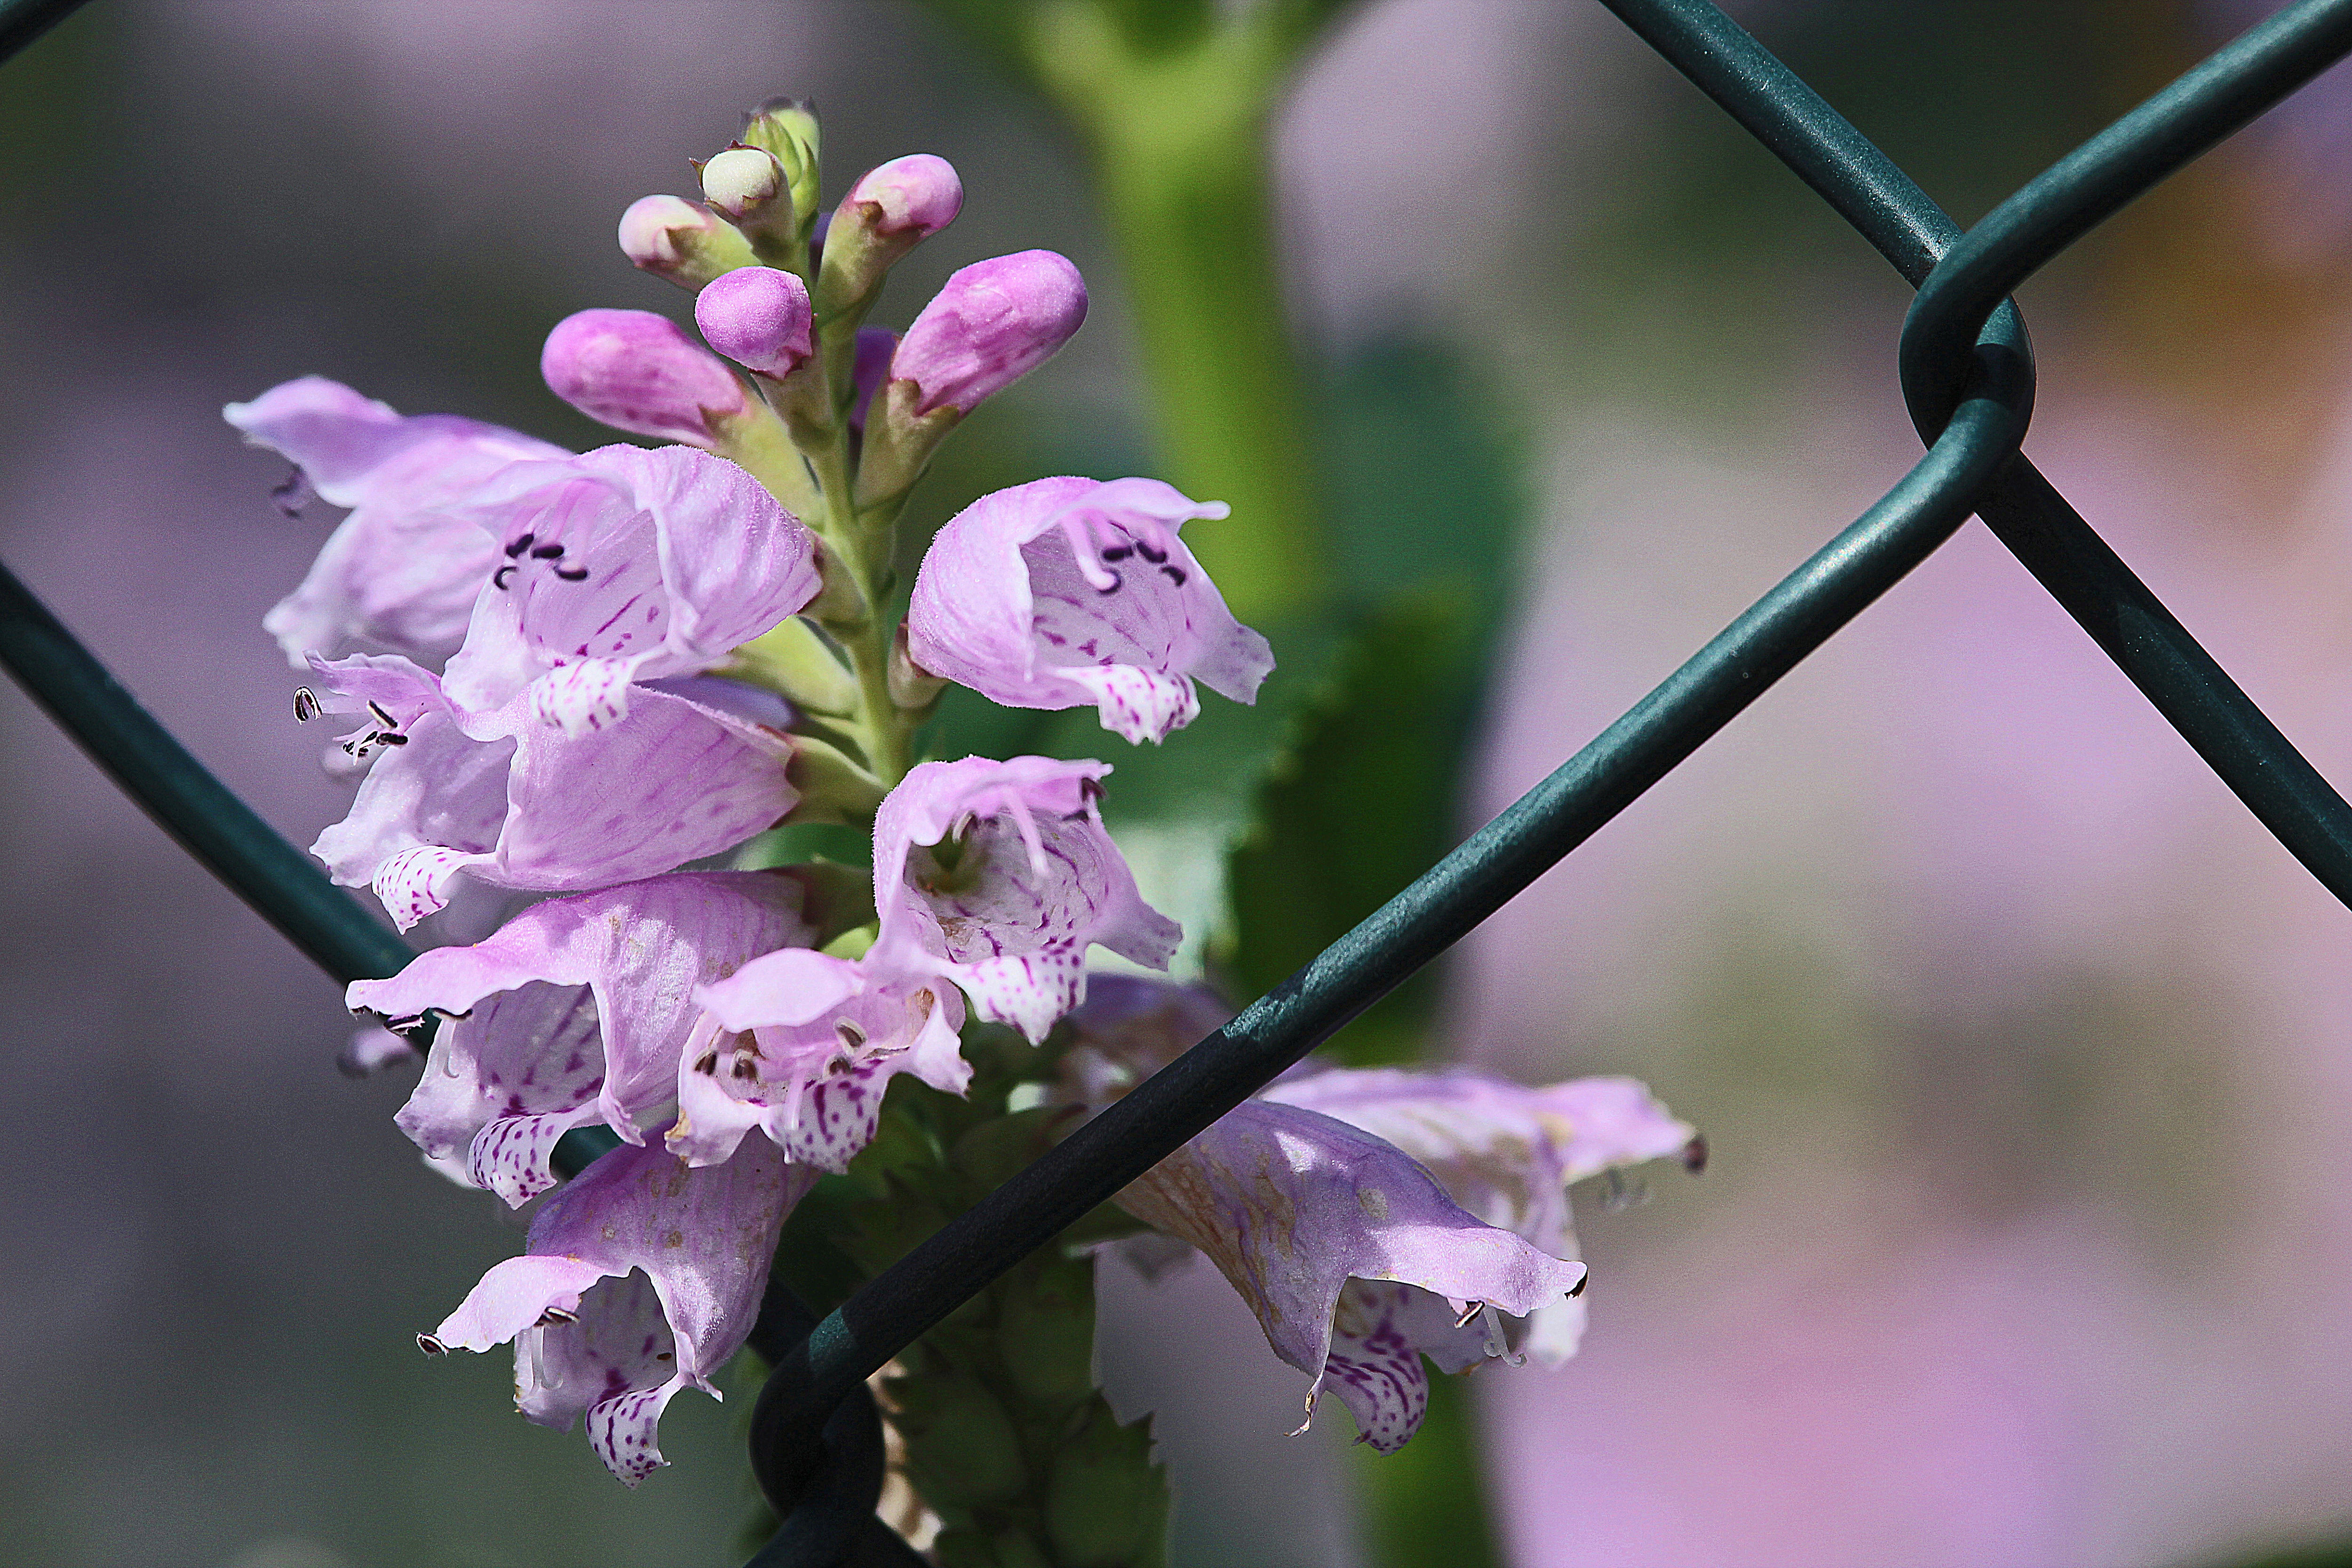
[(507, 799), (1064, 592), (637, 372), (542, 760), (576, 1011), (401, 574), (992, 323), (643, 1277), (999, 875), (801, 1046), (1373, 1218), (623, 565), (1352, 1256)]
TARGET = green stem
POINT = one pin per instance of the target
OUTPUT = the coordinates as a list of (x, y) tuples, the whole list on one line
[(1178, 135)]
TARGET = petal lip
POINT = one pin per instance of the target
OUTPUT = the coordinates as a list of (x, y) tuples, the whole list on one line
[(400, 573), (640, 1277), (1069, 591), (1292, 1205)]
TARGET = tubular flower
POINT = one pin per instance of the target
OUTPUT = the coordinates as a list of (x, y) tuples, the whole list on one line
[(400, 573), (1371, 1219), (1506, 1152), (801, 1046), (642, 1278), (575, 1010), (623, 565), (1066, 592), (513, 801), (999, 875), (1298, 1209)]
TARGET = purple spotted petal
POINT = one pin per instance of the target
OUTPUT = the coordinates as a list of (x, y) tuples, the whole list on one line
[(400, 573), (1292, 1205), (575, 1010), (1067, 593), (802, 1047), (643, 1277), (1504, 1151), (669, 782), (639, 565), (1000, 876)]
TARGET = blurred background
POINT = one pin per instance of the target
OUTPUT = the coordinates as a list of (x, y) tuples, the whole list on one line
[(2024, 1054)]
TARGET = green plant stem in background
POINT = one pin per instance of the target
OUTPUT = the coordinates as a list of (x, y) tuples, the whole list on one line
[(1172, 102)]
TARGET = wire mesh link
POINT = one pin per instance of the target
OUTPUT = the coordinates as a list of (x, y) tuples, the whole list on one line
[(815, 1441)]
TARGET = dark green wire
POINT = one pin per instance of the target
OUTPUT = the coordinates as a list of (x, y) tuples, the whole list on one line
[(2049, 537)]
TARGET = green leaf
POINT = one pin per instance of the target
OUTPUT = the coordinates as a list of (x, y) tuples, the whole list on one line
[(1358, 804)]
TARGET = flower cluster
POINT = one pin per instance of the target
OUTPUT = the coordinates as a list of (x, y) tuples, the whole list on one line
[(576, 682)]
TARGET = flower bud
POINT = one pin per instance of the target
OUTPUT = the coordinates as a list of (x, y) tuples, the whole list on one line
[(786, 128), (760, 318), (688, 245), (889, 210), (637, 372), (742, 182), (995, 322)]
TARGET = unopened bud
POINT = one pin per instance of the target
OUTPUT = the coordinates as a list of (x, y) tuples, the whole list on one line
[(760, 318), (917, 195), (889, 210), (637, 372), (786, 128), (995, 322), (688, 245), (742, 182)]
